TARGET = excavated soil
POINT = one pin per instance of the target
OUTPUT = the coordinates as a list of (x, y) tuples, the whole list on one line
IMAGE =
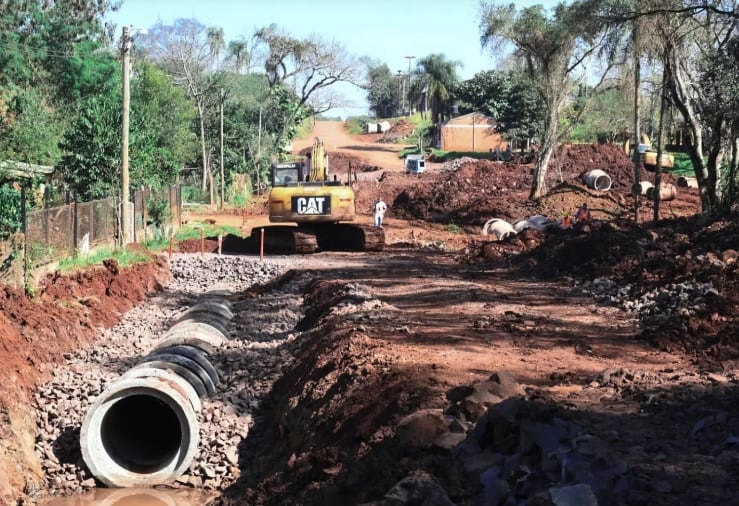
[(599, 362)]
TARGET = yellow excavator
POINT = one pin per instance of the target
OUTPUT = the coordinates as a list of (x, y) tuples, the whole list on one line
[(314, 210), (649, 155)]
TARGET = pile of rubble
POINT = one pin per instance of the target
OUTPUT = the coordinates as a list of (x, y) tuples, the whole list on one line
[(400, 130)]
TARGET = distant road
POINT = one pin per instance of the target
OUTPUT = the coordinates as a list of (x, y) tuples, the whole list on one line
[(336, 138)]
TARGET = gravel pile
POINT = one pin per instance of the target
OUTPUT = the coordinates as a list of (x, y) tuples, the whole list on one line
[(250, 362), (685, 298)]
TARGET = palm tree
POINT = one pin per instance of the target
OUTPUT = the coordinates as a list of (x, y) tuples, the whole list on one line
[(439, 77), (216, 43), (238, 49)]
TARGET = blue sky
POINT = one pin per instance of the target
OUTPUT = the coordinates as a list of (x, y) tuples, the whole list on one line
[(386, 30)]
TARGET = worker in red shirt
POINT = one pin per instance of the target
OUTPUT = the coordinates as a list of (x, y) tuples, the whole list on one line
[(583, 214)]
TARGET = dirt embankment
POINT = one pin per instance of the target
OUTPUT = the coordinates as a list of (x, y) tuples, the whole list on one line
[(36, 332)]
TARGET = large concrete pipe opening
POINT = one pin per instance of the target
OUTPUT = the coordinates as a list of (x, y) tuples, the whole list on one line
[(598, 180), (142, 431), (141, 444)]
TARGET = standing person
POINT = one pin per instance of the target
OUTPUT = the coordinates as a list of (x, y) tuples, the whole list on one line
[(380, 208), (566, 221), (583, 214)]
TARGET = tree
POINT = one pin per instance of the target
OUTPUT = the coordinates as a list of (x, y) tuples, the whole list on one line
[(508, 96), (439, 77), (244, 52), (549, 47), (694, 41), (701, 87), (161, 135), (382, 90), (308, 67), (93, 146), (182, 50), (216, 43)]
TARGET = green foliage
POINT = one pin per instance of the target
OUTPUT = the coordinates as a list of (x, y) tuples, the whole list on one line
[(356, 124), (10, 211), (161, 139), (454, 228), (437, 75), (157, 209), (92, 144), (383, 90), (125, 257)]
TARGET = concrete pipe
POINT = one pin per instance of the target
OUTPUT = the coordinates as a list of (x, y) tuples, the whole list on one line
[(197, 330), (140, 432), (143, 429), (217, 308), (667, 192), (641, 188), (598, 180), (194, 354), (191, 365), (155, 372), (207, 318), (501, 229), (687, 182)]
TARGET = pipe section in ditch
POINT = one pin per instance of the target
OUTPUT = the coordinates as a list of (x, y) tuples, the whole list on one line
[(143, 429), (597, 180)]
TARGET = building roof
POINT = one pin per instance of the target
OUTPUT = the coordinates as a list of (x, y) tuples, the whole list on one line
[(464, 117)]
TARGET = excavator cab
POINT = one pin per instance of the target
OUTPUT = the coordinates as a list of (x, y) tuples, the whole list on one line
[(319, 208)]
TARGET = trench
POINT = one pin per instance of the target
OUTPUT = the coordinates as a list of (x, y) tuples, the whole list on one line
[(139, 433)]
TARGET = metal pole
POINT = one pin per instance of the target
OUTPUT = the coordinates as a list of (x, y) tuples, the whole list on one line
[(125, 211), (223, 95), (410, 58)]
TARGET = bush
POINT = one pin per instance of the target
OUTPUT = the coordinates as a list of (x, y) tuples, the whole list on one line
[(10, 211)]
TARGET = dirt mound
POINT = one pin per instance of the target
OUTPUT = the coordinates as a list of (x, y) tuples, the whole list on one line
[(399, 130), (326, 443), (340, 162), (681, 277)]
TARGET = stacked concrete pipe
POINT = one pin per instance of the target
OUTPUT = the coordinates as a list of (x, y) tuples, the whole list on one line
[(143, 429)]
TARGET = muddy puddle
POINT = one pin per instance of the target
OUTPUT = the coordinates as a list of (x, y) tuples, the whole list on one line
[(134, 497)]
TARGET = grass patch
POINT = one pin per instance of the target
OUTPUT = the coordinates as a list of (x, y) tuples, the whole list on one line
[(356, 124), (453, 228), (125, 258), (444, 156)]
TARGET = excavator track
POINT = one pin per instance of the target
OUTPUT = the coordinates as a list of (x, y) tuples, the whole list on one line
[(323, 237), (285, 240), (350, 237)]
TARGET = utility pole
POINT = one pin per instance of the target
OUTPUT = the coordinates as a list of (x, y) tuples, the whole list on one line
[(126, 64), (223, 200), (410, 58), (400, 91)]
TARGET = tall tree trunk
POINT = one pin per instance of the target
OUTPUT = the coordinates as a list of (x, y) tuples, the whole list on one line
[(660, 145), (548, 145), (637, 117), (694, 141), (202, 145)]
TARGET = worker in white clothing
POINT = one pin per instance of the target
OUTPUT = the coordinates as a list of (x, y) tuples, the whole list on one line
[(380, 208)]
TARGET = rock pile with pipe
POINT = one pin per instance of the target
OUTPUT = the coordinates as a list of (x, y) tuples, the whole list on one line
[(143, 429)]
